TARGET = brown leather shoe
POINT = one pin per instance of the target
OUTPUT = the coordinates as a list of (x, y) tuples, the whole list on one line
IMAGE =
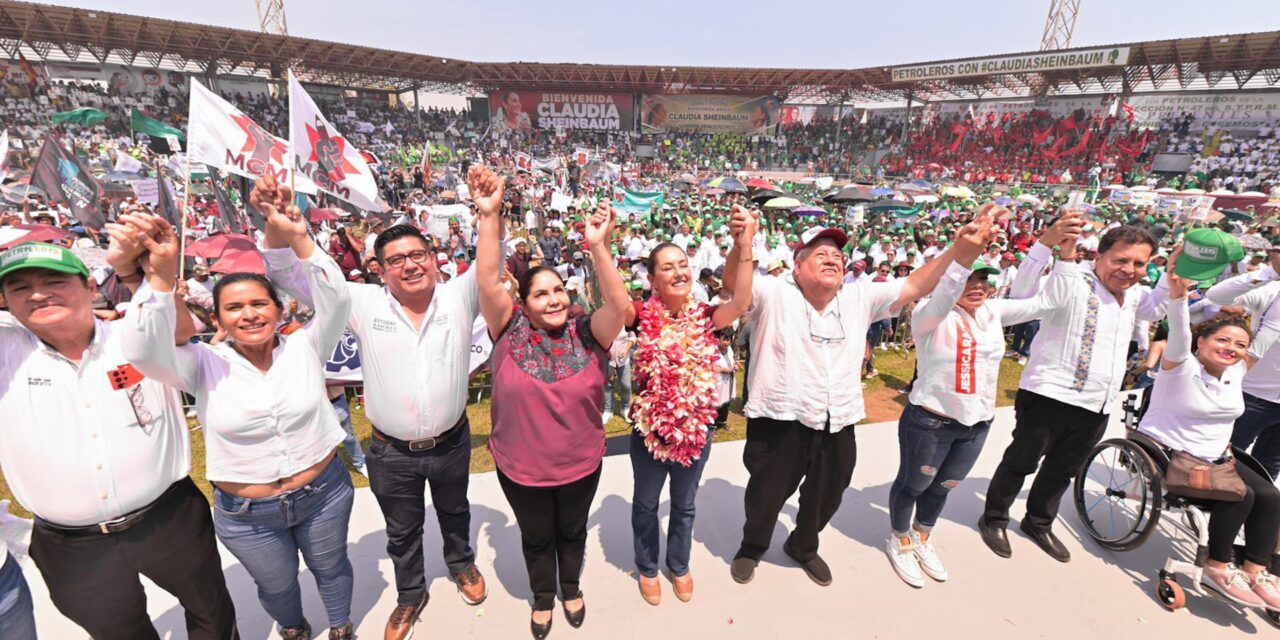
[(400, 624), (651, 590), (471, 585), (683, 587)]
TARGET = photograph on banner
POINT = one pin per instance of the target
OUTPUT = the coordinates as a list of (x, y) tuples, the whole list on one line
[(512, 110), (1197, 208), (753, 115)]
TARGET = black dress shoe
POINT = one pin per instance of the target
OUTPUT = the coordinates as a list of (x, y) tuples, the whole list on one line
[(576, 618), (743, 569), (816, 568), (1047, 541), (997, 538), (540, 631)]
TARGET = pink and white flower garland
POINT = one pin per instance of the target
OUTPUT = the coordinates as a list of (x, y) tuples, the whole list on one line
[(676, 360)]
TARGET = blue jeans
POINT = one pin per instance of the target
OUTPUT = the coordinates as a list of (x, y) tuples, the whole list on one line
[(1023, 334), (17, 613), (343, 408), (935, 454), (266, 534), (618, 377), (650, 475), (1259, 427)]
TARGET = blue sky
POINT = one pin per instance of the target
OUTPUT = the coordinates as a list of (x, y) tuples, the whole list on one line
[(809, 33)]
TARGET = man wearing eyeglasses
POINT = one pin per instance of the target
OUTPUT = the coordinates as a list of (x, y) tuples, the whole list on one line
[(414, 336), (804, 392), (100, 454)]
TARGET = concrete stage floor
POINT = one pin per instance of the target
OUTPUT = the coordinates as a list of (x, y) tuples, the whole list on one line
[(1098, 594)]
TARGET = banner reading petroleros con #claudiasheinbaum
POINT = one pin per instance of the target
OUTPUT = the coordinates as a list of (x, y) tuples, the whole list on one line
[(513, 111), (752, 115)]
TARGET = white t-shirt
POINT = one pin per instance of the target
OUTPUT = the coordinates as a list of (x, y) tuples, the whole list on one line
[(1192, 411)]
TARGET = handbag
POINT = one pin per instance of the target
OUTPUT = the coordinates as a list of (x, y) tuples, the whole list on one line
[(1193, 477)]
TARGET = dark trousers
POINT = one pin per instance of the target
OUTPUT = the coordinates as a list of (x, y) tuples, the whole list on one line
[(1023, 334), (779, 455), (553, 534), (1258, 513), (398, 478), (1259, 427), (722, 416), (1063, 435), (93, 578)]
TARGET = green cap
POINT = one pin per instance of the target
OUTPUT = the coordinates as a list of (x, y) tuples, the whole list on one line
[(1206, 253), (39, 255), (981, 266)]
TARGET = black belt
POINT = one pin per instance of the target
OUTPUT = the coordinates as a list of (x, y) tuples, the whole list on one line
[(118, 525), (425, 444)]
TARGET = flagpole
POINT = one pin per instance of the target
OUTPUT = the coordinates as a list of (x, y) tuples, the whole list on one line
[(186, 202)]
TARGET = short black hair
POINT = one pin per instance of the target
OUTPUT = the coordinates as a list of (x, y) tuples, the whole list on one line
[(1127, 234), (397, 232)]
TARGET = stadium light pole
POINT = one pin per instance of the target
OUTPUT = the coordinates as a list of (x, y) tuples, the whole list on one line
[(1060, 25), (271, 17)]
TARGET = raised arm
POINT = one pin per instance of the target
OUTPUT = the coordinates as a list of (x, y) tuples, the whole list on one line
[(149, 327), (607, 321), (1235, 290), (126, 248), (495, 302), (1178, 348), (1063, 233), (743, 227), (965, 250)]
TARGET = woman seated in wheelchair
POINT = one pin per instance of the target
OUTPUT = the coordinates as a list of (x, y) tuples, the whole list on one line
[(1194, 405)]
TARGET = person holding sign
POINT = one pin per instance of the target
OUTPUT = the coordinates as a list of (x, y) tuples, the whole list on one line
[(959, 334), (548, 396), (271, 437), (414, 339), (1073, 378)]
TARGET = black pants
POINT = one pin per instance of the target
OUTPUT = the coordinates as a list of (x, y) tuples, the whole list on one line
[(1063, 435), (722, 415), (93, 578), (779, 455), (398, 478), (1258, 513), (553, 534)]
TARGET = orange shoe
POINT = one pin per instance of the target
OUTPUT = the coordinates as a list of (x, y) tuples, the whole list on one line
[(683, 587), (651, 590), (471, 585)]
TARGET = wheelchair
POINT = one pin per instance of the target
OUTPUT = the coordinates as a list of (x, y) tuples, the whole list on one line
[(1120, 495)]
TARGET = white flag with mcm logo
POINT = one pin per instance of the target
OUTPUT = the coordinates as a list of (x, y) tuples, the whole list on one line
[(322, 154), (222, 136)]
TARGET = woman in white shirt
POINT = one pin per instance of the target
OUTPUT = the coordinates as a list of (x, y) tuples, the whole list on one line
[(270, 433), (1194, 405), (959, 334)]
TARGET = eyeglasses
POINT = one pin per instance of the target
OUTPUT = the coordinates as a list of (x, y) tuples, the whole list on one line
[(824, 340), (139, 406), (395, 262)]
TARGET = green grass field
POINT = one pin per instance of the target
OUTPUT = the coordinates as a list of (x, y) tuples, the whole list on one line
[(882, 395)]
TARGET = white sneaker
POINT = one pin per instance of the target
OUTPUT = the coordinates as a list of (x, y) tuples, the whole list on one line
[(606, 417), (1022, 360), (191, 413), (928, 558), (904, 562), (360, 469), (626, 415)]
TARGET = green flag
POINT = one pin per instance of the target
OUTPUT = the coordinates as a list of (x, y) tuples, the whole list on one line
[(152, 127), (85, 116)]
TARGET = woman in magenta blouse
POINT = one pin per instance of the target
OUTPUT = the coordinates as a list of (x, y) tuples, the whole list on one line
[(548, 383)]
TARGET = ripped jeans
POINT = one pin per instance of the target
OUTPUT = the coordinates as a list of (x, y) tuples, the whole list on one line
[(936, 453)]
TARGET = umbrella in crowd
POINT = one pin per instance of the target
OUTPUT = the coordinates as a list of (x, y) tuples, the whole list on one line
[(765, 195), (19, 192), (782, 203), (958, 192), (240, 261), (321, 215), (216, 245), (851, 193), (881, 192), (34, 233), (809, 210), (1237, 215), (1028, 198), (890, 205), (727, 183), (760, 183), (1254, 242)]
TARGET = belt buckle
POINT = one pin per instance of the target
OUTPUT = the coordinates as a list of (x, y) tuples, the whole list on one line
[(423, 444), (105, 527)]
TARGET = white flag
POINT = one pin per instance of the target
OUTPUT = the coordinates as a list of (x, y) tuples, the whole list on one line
[(222, 136), (127, 163), (4, 153), (322, 154)]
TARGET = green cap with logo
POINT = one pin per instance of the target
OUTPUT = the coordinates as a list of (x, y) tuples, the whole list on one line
[(39, 255), (1206, 253)]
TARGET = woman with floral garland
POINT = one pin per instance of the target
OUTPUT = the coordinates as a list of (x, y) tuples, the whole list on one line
[(548, 382), (676, 373)]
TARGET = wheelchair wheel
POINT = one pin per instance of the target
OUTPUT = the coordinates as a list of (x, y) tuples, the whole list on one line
[(1119, 494), (1170, 594), (1273, 617)]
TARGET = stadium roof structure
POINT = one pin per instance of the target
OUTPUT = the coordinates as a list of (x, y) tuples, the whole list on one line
[(53, 33)]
